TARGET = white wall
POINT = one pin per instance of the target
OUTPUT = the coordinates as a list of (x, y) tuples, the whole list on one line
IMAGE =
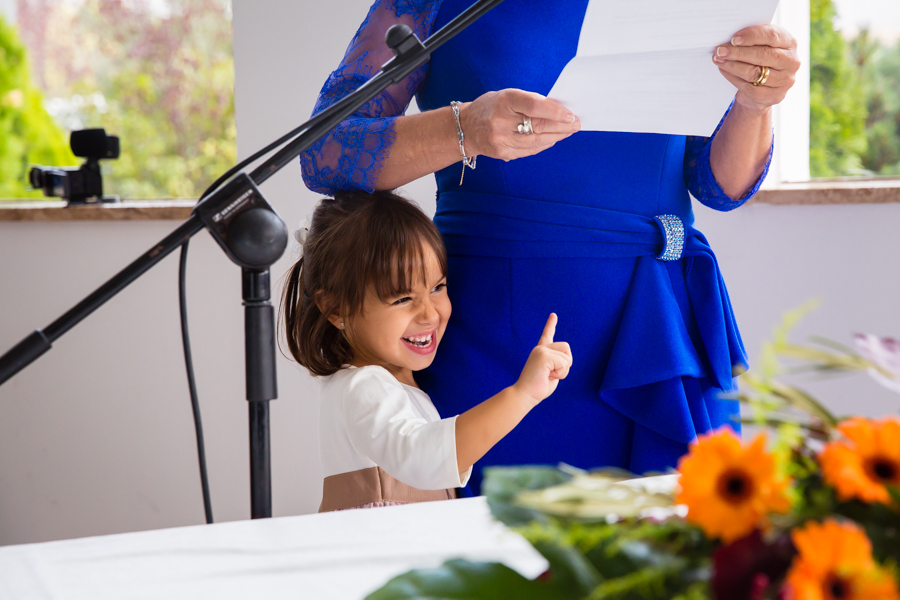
[(96, 436), (776, 258)]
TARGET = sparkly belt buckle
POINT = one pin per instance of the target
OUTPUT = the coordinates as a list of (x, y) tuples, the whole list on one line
[(673, 229)]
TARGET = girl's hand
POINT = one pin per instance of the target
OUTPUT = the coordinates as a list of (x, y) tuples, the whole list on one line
[(547, 364), (490, 124), (751, 49)]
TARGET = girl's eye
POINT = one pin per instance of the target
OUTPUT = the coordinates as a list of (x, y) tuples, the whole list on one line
[(439, 287), (402, 300)]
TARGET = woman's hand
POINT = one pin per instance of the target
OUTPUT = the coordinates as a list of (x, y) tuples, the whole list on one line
[(547, 364), (751, 49), (490, 124)]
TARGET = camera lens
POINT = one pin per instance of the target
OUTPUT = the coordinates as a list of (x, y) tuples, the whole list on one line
[(36, 177)]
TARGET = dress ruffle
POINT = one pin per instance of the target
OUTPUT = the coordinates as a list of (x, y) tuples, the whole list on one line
[(677, 337), (654, 335)]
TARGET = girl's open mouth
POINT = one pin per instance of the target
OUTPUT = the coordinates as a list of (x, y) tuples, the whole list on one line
[(421, 344)]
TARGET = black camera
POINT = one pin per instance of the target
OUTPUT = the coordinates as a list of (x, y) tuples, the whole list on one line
[(82, 184)]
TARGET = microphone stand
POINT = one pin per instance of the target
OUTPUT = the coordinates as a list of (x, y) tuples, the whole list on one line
[(253, 236)]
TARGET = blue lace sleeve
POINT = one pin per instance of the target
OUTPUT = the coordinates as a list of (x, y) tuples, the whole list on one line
[(699, 177), (351, 155)]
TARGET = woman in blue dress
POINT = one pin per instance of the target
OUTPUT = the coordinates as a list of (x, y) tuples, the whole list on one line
[(595, 226)]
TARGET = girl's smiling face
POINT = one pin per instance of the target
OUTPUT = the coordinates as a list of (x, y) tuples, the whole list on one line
[(402, 333)]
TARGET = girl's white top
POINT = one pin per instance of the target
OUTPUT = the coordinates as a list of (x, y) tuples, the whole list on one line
[(367, 418)]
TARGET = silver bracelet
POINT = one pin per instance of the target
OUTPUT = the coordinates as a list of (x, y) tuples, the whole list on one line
[(467, 162)]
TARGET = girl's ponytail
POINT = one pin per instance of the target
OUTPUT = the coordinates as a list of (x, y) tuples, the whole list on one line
[(311, 339)]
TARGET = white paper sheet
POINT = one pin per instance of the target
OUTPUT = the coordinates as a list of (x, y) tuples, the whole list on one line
[(646, 65)]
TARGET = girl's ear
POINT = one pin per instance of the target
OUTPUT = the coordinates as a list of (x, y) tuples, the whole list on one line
[(324, 302)]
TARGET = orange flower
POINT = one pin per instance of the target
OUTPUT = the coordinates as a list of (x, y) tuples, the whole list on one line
[(868, 460), (834, 561), (728, 489)]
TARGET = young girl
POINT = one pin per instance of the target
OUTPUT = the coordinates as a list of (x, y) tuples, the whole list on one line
[(365, 307)]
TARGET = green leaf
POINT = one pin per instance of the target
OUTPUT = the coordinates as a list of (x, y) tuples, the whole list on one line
[(790, 319), (568, 564), (894, 491), (503, 487), (881, 522), (599, 495), (647, 584), (503, 484), (465, 580), (843, 348), (776, 422), (803, 401)]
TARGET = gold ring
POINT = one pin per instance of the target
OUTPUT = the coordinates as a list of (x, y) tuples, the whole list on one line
[(763, 77)]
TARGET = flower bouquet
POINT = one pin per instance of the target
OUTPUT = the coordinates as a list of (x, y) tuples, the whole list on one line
[(810, 511)]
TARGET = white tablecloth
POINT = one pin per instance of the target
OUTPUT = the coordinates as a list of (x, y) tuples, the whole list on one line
[(341, 555)]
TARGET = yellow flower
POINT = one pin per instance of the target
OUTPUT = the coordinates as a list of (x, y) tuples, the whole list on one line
[(728, 489), (834, 561), (868, 460)]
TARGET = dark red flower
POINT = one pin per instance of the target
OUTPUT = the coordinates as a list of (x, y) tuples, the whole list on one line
[(748, 567)]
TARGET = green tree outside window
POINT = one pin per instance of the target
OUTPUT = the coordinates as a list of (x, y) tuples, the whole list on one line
[(837, 111), (158, 75), (854, 100), (28, 134)]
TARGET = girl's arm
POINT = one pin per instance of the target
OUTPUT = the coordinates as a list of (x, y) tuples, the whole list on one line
[(383, 426), (480, 428)]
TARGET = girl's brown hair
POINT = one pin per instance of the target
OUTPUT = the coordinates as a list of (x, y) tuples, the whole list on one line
[(356, 242)]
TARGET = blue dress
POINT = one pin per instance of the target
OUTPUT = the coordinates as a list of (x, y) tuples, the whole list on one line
[(571, 230)]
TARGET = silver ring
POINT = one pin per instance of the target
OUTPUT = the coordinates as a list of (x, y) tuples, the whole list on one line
[(525, 127)]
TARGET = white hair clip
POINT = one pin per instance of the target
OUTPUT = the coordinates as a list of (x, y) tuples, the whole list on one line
[(300, 234)]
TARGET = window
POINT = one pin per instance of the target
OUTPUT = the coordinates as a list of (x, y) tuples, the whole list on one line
[(157, 73), (842, 119), (855, 88)]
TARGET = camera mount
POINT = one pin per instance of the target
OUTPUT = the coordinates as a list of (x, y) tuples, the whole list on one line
[(83, 184)]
